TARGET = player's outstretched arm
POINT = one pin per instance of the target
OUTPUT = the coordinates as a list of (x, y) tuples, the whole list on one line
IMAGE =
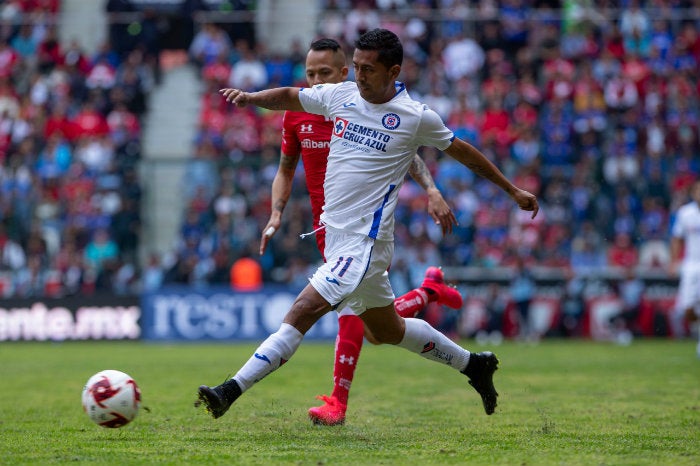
[(437, 206), (477, 162), (279, 98), (281, 190)]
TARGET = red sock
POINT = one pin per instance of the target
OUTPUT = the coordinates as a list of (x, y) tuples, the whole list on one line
[(411, 303), (351, 332)]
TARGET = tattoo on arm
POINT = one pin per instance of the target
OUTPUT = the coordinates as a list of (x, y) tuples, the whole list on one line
[(282, 184), (480, 170), (288, 162), (280, 204), (420, 173)]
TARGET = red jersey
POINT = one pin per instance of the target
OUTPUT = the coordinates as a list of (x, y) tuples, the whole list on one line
[(309, 135)]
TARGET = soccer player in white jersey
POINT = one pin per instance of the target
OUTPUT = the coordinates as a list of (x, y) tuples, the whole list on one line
[(308, 137), (685, 260), (377, 129)]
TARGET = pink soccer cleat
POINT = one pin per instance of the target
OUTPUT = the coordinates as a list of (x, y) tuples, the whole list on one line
[(331, 413), (434, 282)]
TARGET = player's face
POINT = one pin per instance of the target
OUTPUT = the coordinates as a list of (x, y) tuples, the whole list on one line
[(325, 67), (374, 80)]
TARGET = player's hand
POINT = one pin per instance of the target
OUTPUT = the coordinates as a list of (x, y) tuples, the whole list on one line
[(526, 201), (441, 212), (268, 232), (235, 96)]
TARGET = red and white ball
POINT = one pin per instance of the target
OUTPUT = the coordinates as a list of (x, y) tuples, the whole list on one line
[(111, 398)]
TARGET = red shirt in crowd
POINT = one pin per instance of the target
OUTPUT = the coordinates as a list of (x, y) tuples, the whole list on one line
[(8, 59), (51, 6), (89, 122), (622, 253)]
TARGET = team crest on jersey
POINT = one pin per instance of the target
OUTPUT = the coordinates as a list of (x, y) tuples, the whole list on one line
[(339, 127), (391, 121), (360, 137)]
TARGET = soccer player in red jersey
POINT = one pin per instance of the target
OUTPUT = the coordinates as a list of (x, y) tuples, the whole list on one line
[(308, 136)]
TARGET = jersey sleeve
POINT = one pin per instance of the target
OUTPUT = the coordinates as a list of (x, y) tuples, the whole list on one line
[(317, 99), (290, 142), (433, 132)]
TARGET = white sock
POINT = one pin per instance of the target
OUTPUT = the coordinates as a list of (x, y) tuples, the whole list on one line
[(277, 349), (423, 339)]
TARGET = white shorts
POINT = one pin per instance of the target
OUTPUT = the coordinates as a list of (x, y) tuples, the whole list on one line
[(355, 273), (688, 288)]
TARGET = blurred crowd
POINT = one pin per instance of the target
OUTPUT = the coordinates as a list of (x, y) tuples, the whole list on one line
[(593, 106), (70, 128)]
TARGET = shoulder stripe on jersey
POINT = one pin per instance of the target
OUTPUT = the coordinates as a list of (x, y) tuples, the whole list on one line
[(377, 219)]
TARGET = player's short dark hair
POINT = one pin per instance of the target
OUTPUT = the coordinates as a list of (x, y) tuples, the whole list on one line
[(385, 42), (325, 44)]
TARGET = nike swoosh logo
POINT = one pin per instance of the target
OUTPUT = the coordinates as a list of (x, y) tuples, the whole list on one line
[(351, 104), (332, 280), (262, 357)]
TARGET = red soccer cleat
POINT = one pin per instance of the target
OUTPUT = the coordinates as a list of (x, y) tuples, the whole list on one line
[(435, 281), (331, 413)]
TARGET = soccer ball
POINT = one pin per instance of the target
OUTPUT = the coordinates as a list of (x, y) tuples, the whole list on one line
[(111, 398)]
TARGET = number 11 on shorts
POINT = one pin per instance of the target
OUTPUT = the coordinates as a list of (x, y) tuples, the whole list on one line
[(344, 269)]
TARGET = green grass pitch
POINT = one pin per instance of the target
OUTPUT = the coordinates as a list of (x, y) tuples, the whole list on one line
[(561, 403)]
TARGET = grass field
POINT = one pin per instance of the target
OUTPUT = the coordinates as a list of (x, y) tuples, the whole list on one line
[(562, 402)]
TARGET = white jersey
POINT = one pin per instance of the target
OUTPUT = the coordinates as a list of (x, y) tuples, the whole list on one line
[(371, 149), (687, 227)]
